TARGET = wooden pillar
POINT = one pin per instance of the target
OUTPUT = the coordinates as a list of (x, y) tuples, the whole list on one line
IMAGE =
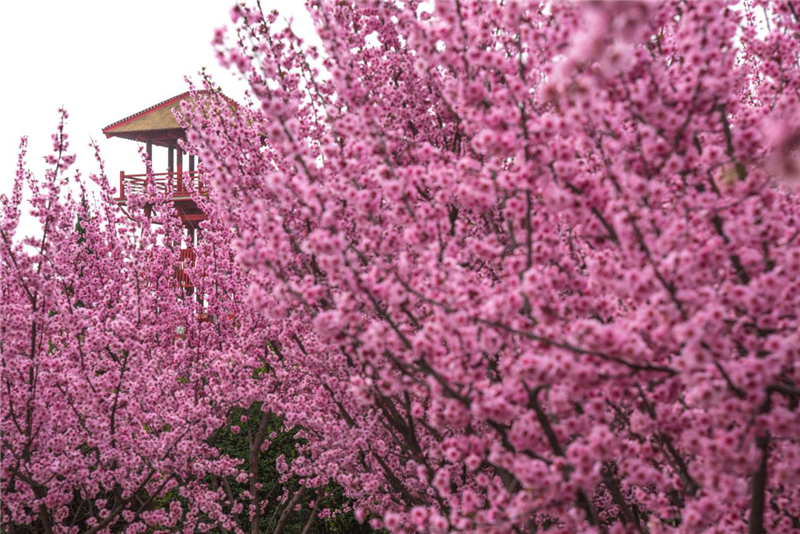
[(191, 172), (199, 164), (149, 164), (170, 164), (180, 187)]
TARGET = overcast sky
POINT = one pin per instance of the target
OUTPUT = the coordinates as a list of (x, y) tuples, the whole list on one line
[(103, 60)]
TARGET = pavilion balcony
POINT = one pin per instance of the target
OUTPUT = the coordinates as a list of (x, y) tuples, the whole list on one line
[(180, 184)]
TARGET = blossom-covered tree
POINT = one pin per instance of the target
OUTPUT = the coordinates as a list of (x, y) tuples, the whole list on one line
[(101, 412), (115, 381), (532, 266)]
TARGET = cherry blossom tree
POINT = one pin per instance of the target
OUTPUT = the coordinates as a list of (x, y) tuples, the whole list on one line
[(126, 392), (531, 266), (105, 411), (97, 420)]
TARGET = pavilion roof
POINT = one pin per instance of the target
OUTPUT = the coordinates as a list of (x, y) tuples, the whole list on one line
[(156, 123)]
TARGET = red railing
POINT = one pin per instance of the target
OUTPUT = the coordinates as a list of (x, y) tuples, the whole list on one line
[(187, 259), (181, 183)]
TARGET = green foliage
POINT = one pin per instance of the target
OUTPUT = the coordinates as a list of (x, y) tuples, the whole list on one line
[(285, 443)]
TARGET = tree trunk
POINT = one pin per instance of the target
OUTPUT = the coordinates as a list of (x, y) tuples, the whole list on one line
[(288, 510), (759, 488), (317, 504)]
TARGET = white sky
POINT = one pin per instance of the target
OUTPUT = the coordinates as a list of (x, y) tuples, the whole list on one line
[(103, 60)]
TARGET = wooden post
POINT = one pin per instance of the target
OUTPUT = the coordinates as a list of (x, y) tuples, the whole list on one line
[(170, 163), (149, 157), (199, 163), (122, 185), (192, 175), (180, 188)]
